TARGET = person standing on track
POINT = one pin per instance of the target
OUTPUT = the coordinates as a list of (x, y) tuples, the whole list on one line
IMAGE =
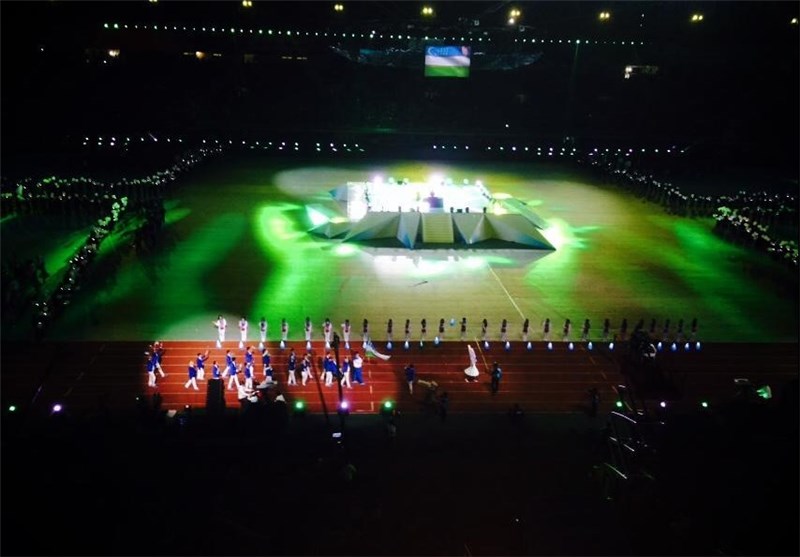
[(151, 372), (248, 375), (201, 365), (308, 329), (215, 371), (358, 365), (330, 368), (346, 373), (546, 329), (411, 374), (230, 370), (284, 330), (292, 365), (305, 368), (525, 327), (192, 382), (463, 328), (158, 354), (504, 330), (497, 373), (221, 324), (266, 361)]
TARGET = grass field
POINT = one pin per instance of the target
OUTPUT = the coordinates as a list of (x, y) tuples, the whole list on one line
[(236, 243)]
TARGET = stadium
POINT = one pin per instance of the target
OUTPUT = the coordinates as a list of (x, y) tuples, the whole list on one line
[(600, 198)]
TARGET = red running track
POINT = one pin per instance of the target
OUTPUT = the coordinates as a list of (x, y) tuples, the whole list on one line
[(82, 375)]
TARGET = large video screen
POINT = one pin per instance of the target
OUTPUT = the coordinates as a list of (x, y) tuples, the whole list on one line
[(447, 61)]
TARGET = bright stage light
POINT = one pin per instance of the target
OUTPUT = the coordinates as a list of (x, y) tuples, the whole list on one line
[(571, 347), (389, 345), (704, 404), (549, 345), (590, 345), (57, 408), (508, 346), (611, 346), (486, 345), (530, 345), (12, 408), (663, 404)]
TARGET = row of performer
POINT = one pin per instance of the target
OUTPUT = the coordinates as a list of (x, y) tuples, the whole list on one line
[(547, 330), (233, 370)]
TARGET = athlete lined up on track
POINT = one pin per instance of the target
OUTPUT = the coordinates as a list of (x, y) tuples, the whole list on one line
[(308, 329), (284, 330)]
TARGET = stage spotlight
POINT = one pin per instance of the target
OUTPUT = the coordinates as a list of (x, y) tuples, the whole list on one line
[(674, 347), (686, 346), (486, 345), (387, 408), (590, 345), (660, 346), (421, 344), (308, 346), (697, 346), (765, 392), (704, 404), (508, 346), (662, 404), (549, 345), (571, 346), (388, 345), (618, 404), (12, 408), (344, 408), (530, 345), (283, 345), (611, 346), (299, 407), (436, 340), (405, 345), (452, 321), (57, 408)]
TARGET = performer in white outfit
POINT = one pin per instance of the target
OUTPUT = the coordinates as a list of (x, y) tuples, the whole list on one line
[(221, 324), (346, 333), (262, 331), (472, 371), (327, 332), (243, 331)]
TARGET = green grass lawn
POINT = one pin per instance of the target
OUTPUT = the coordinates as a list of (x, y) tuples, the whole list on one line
[(236, 243)]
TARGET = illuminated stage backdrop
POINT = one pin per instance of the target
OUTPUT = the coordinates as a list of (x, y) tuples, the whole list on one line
[(432, 214)]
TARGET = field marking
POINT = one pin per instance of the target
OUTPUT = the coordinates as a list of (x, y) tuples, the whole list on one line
[(510, 299)]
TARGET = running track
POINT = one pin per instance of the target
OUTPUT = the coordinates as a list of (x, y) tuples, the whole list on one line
[(83, 375)]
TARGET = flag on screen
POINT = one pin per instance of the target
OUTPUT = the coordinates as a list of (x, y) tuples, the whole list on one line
[(447, 61)]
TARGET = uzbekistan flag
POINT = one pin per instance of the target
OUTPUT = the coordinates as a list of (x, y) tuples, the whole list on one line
[(447, 61)]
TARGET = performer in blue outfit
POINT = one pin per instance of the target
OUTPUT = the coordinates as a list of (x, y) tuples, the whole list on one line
[(192, 376), (410, 376), (292, 367), (266, 360)]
